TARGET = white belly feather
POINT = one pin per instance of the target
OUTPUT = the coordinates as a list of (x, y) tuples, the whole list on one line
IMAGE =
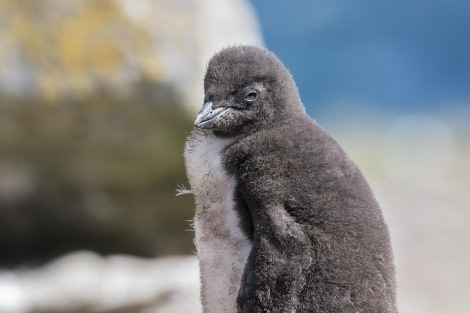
[(221, 245)]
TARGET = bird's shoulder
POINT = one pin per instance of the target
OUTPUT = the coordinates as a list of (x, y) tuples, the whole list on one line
[(298, 157), (291, 146)]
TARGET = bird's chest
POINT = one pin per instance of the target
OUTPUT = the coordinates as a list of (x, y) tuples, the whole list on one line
[(221, 245)]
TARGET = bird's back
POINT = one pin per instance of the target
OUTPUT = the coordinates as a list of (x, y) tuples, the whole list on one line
[(300, 167)]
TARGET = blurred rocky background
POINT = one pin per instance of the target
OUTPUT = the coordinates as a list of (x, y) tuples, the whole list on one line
[(96, 101), (97, 98)]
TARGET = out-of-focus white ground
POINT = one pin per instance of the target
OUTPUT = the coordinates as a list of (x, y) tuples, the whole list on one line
[(87, 283), (419, 169)]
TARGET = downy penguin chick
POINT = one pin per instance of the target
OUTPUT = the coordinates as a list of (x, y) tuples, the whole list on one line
[(284, 222)]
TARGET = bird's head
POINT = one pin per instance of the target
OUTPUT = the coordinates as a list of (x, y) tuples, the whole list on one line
[(247, 88)]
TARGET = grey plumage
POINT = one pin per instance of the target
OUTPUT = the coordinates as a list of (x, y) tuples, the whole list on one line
[(315, 236)]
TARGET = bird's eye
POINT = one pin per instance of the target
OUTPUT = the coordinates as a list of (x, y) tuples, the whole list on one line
[(251, 96)]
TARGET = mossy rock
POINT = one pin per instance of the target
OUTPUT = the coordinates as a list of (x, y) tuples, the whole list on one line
[(98, 172)]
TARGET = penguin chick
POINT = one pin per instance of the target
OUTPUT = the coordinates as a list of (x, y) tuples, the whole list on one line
[(284, 222)]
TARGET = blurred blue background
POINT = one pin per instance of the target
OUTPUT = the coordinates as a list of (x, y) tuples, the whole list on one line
[(394, 57)]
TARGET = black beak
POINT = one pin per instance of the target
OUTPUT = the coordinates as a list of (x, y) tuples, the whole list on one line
[(207, 118)]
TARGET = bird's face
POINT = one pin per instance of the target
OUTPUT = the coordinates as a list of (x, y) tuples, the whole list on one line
[(233, 111), (246, 89)]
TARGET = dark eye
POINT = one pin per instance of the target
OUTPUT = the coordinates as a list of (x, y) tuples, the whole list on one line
[(250, 96)]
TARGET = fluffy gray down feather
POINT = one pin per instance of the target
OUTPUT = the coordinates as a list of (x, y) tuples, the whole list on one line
[(319, 240)]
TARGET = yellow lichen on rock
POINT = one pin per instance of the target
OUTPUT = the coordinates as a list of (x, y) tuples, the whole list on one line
[(77, 46)]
